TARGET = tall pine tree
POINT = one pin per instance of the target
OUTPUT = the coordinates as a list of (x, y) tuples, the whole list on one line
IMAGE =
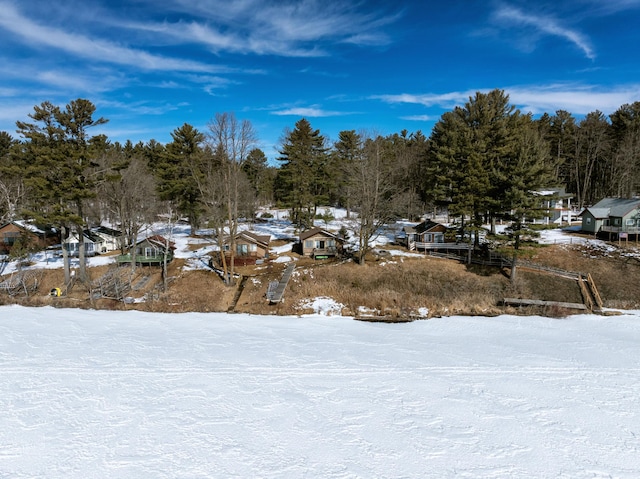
[(303, 175)]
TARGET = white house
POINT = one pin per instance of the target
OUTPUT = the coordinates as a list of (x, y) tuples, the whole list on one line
[(556, 203), (111, 239), (93, 243)]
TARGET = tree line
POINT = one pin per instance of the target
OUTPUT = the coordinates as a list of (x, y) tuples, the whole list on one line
[(482, 161)]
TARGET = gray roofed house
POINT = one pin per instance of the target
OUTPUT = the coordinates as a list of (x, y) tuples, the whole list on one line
[(619, 217), (92, 243)]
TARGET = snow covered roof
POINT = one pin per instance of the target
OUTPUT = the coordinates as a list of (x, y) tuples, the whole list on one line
[(32, 227)]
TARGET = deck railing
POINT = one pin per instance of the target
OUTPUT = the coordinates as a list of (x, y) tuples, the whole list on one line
[(621, 229)]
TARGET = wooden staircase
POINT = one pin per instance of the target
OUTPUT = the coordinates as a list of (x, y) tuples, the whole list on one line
[(275, 292)]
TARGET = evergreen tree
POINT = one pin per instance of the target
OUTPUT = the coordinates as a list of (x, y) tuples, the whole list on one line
[(175, 168), (519, 176), (465, 144), (256, 169), (477, 149), (302, 176), (346, 151), (62, 173)]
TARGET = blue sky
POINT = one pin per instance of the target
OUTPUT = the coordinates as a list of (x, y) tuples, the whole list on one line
[(380, 66)]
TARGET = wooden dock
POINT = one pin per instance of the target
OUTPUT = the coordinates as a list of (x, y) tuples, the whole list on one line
[(538, 302), (275, 292)]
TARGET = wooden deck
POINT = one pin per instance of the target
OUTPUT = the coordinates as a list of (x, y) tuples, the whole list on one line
[(143, 260)]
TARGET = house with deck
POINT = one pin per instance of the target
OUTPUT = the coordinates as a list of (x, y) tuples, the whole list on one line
[(429, 237), (250, 248), (150, 251), (426, 232), (319, 243), (27, 233), (613, 218)]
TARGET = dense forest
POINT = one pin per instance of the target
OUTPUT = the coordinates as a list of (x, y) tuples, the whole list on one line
[(482, 161)]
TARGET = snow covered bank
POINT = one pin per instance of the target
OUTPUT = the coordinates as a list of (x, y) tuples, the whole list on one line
[(129, 394)]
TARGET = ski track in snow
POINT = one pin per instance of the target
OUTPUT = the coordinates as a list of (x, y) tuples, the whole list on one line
[(92, 394)]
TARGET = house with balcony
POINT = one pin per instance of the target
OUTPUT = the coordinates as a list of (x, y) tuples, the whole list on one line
[(613, 218), (555, 205)]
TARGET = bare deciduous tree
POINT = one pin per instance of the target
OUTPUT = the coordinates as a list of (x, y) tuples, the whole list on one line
[(223, 183)]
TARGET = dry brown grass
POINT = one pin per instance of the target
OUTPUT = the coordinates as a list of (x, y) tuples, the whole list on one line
[(394, 288)]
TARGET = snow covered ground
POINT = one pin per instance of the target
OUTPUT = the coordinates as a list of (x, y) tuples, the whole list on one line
[(87, 394), (196, 250)]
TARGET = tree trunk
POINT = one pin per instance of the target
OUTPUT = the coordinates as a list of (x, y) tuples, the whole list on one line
[(514, 261), (82, 260), (65, 256)]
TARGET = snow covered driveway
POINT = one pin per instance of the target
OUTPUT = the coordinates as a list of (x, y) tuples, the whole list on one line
[(94, 394)]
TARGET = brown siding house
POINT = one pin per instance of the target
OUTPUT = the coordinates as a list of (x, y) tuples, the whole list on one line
[(319, 244), (38, 237)]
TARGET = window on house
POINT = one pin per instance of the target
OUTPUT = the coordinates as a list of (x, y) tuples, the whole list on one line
[(616, 222), (308, 244), (588, 220), (242, 249), (11, 237), (631, 222)]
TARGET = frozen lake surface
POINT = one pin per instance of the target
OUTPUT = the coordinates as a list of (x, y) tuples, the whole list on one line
[(88, 394)]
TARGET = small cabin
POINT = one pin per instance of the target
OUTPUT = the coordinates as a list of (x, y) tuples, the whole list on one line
[(427, 232), (320, 244), (150, 251), (249, 248)]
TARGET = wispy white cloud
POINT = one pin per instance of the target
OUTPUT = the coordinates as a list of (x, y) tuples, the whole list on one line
[(446, 100), (294, 29), (577, 99), (419, 118), (139, 108), (310, 112), (513, 17), (11, 19)]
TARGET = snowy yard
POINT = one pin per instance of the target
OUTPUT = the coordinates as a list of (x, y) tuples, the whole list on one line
[(133, 395)]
